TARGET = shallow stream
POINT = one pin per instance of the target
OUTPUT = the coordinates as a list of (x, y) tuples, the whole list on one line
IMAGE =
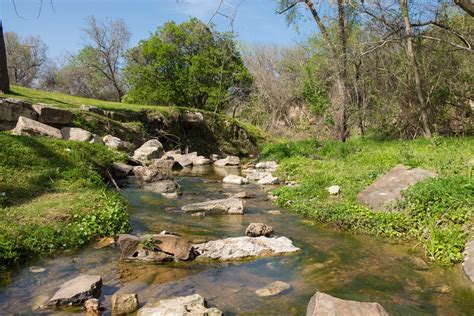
[(339, 263)]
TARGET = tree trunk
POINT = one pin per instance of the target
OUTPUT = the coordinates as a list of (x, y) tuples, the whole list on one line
[(416, 69), (4, 81), (359, 97)]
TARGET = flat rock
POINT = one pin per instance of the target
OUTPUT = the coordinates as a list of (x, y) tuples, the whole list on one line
[(322, 304), (227, 161), (179, 306), (154, 248), (387, 189), (124, 303), (51, 115), (113, 142), (167, 186), (273, 289), (468, 264), (76, 134), (258, 229), (269, 180), (26, 126), (234, 179), (224, 206), (77, 291), (244, 247), (270, 165)]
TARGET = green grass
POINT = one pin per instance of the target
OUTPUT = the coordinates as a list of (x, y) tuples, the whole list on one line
[(53, 196), (436, 213)]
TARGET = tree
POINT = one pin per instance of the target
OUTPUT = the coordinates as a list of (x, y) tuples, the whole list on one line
[(4, 80), (181, 64), (25, 58), (337, 47), (103, 54)]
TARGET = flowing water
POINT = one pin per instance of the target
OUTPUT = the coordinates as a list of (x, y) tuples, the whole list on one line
[(339, 263)]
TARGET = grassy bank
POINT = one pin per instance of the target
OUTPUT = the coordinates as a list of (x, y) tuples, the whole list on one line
[(53, 196), (436, 213)]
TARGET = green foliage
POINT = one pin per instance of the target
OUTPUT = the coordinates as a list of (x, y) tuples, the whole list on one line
[(437, 212), (54, 197), (189, 64)]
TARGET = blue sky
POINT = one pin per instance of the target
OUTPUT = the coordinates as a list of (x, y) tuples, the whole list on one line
[(60, 28)]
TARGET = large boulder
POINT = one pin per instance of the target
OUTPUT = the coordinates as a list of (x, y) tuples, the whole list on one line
[(179, 306), (12, 109), (244, 247), (124, 303), (322, 304), (468, 264), (273, 289), (232, 161), (151, 149), (77, 291), (234, 179), (76, 134), (51, 115), (113, 142), (381, 194), (224, 206), (258, 229), (26, 126)]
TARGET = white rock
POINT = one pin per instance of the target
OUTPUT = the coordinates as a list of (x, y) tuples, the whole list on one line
[(271, 165), (334, 189), (233, 179), (269, 180), (113, 142), (255, 175), (228, 161), (151, 149)]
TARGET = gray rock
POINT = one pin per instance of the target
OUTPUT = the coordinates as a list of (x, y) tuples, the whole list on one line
[(244, 247), (194, 305), (76, 134), (113, 142), (152, 149), (387, 189), (52, 115), (233, 179), (270, 165), (322, 304), (166, 187), (200, 161), (259, 229), (26, 126), (468, 264), (273, 289), (12, 109), (124, 303), (93, 109), (243, 195), (228, 161), (121, 170), (224, 206), (269, 180), (154, 248), (77, 291), (255, 175)]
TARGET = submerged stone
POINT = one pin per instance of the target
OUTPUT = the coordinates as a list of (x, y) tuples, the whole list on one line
[(273, 289), (223, 206), (179, 306), (322, 304)]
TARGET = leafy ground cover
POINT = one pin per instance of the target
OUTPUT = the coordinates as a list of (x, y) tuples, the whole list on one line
[(53, 196), (436, 213)]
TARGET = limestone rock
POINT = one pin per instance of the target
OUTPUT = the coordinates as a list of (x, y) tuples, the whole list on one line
[(322, 304), (334, 189), (77, 291), (52, 115), (468, 264), (180, 306), (26, 126), (12, 109), (387, 189), (92, 307), (113, 142), (224, 206), (200, 161), (76, 134), (243, 247), (152, 149), (155, 248), (228, 161), (124, 303), (269, 180), (270, 165), (273, 289), (259, 229), (255, 175), (233, 179)]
